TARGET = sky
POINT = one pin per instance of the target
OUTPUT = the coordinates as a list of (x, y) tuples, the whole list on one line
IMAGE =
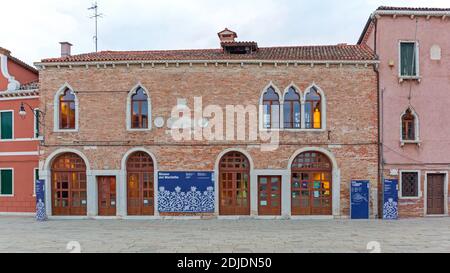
[(34, 28)]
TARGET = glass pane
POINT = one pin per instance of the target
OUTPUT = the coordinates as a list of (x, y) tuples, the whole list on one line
[(408, 59), (271, 95)]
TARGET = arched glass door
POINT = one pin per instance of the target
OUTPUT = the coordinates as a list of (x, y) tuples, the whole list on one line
[(69, 195), (311, 184), (140, 184), (234, 183)]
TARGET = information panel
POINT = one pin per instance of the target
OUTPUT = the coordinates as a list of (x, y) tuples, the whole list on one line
[(41, 214), (390, 199), (360, 197), (186, 192)]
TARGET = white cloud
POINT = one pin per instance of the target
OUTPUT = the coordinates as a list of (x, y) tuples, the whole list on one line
[(34, 28)]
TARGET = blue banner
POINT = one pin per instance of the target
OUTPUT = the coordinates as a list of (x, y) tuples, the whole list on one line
[(41, 214), (186, 192), (360, 196), (390, 199)]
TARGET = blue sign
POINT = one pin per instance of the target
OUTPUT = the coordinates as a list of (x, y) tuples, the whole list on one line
[(360, 196), (186, 192), (390, 199), (41, 214)]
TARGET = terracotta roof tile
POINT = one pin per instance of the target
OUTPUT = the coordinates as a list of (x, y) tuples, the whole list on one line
[(300, 53)]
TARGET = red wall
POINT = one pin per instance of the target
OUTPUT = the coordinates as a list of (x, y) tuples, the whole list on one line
[(23, 165), (20, 73)]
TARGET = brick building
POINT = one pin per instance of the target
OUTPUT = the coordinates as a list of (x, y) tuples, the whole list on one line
[(111, 123), (413, 45), (19, 144)]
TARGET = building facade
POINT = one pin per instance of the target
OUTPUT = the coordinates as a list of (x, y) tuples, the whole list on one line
[(19, 134), (267, 132), (413, 46)]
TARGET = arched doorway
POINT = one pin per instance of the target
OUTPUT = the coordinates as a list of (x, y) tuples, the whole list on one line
[(234, 184), (311, 189), (69, 184), (140, 184)]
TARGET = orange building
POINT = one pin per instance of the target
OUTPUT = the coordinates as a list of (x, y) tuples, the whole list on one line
[(19, 134)]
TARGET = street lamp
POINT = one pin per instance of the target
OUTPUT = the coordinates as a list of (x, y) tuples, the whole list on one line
[(36, 112)]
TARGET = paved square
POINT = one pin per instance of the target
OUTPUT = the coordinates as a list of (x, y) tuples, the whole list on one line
[(22, 234)]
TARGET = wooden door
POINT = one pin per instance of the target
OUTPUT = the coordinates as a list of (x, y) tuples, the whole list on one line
[(107, 202), (269, 195), (69, 186), (435, 194), (235, 194), (234, 184), (140, 193), (140, 184)]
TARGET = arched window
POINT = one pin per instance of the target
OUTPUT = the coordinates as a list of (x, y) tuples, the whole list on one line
[(139, 110), (313, 110), (67, 110), (292, 109), (408, 126), (271, 106)]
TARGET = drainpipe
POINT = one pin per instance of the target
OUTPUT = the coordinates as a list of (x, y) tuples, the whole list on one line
[(380, 125)]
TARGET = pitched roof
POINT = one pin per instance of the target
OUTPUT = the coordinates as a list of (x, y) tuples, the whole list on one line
[(294, 53), (387, 10), (6, 52), (412, 8)]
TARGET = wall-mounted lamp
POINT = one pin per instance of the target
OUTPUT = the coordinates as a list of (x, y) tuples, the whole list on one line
[(36, 112)]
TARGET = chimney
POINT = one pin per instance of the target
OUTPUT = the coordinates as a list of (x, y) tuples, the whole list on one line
[(5, 51), (227, 36), (65, 49)]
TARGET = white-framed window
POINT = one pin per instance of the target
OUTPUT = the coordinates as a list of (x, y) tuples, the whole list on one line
[(294, 110), (6, 182), (409, 127), (409, 60), (410, 184), (7, 125), (65, 111), (139, 109), (35, 177)]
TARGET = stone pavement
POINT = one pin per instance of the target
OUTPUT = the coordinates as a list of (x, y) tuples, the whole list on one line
[(23, 234)]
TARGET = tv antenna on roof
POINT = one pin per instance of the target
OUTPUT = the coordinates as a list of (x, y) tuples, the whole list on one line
[(95, 16)]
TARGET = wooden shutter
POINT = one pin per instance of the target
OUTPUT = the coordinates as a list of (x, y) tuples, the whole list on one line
[(6, 125), (6, 186)]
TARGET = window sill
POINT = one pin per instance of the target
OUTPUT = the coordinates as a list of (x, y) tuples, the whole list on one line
[(409, 78), (405, 142), (66, 131), (139, 130), (294, 130), (410, 198), (6, 196)]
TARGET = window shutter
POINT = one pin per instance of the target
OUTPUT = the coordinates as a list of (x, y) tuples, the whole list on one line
[(6, 125), (6, 186)]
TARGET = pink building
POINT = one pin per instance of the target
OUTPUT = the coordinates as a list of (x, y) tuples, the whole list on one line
[(19, 134), (413, 45)]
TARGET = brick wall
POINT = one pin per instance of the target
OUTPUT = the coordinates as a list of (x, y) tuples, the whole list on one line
[(102, 92)]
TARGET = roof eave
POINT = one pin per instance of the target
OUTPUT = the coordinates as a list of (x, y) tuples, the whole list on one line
[(256, 61), (412, 12)]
